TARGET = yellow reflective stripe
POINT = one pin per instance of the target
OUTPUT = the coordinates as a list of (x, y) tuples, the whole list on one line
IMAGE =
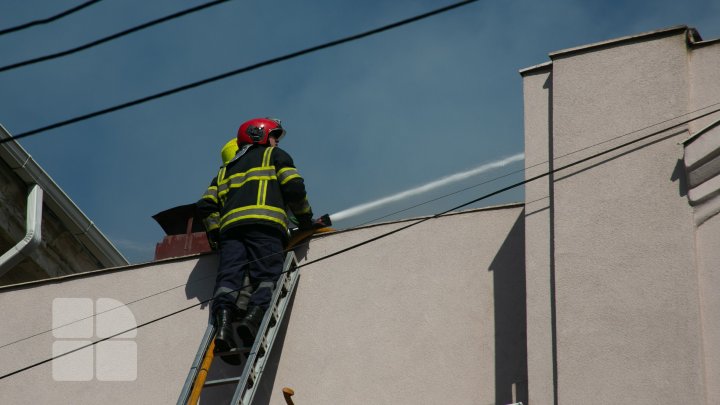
[(266, 156), (238, 182), (219, 180), (266, 169), (287, 174), (262, 187), (259, 200), (266, 163), (240, 179), (223, 188), (269, 208), (212, 222), (211, 194), (265, 212), (262, 217)]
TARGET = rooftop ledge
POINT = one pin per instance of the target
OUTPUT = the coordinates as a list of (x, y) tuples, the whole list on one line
[(693, 38)]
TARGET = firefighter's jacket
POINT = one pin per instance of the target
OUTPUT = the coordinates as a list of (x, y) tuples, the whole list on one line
[(255, 188)]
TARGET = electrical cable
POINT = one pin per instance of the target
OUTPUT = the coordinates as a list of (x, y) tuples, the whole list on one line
[(537, 164), (414, 206), (49, 19), (412, 224), (238, 71), (112, 37), (496, 192)]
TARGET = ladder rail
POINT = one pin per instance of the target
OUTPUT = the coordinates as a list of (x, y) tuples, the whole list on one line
[(197, 362), (254, 365)]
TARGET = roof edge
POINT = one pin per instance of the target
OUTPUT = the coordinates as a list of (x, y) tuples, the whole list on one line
[(92, 273), (69, 213), (198, 256), (701, 44), (541, 68), (621, 40)]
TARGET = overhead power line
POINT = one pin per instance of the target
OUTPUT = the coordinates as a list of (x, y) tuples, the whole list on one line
[(112, 37), (49, 19), (510, 187), (238, 71), (431, 200), (410, 225)]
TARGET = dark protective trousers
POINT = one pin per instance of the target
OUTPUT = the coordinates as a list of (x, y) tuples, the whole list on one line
[(251, 260)]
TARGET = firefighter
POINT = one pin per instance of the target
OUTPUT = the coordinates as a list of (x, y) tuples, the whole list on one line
[(244, 211), (212, 220)]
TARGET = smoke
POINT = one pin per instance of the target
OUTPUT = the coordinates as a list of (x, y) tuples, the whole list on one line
[(359, 209)]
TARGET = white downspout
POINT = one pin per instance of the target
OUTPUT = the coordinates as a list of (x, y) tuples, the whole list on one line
[(32, 235)]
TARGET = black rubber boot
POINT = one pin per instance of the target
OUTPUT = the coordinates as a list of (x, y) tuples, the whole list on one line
[(225, 338), (248, 328)]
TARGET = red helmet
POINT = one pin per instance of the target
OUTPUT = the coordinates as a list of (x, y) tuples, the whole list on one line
[(258, 130)]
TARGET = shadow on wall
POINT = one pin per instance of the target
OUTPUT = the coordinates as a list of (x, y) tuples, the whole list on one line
[(508, 266), (301, 250), (201, 281), (679, 175)]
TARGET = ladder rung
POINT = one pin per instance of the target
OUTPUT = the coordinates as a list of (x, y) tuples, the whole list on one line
[(234, 352), (222, 381)]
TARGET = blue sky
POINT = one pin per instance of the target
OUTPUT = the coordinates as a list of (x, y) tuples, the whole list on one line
[(365, 120)]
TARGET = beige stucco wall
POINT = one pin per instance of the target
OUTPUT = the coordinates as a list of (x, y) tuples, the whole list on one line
[(164, 348), (703, 61), (705, 92), (709, 276), (432, 314), (538, 237), (702, 164), (622, 253)]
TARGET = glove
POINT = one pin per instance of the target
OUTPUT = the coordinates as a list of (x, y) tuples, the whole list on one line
[(305, 223), (214, 239)]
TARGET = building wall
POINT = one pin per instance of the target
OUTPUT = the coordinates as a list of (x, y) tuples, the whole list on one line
[(537, 88), (435, 314), (702, 160), (626, 322), (703, 60), (432, 314), (709, 277), (702, 164), (164, 349)]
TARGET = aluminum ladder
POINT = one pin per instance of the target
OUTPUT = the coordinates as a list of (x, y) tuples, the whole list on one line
[(254, 364)]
